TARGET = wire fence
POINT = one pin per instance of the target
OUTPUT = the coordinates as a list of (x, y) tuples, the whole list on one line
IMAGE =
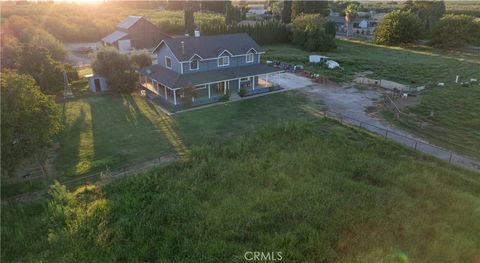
[(406, 140), (98, 177), (108, 175)]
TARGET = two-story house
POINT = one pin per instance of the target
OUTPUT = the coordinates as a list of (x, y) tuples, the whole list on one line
[(134, 32), (214, 65)]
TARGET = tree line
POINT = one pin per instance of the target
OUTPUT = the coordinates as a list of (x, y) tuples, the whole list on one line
[(427, 20)]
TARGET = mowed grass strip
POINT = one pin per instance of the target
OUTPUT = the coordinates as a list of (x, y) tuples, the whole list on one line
[(447, 116), (316, 191)]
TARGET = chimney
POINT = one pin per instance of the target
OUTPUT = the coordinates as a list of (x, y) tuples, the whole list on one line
[(197, 32), (182, 43)]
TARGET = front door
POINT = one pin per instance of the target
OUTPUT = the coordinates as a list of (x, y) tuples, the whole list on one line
[(223, 87), (97, 85)]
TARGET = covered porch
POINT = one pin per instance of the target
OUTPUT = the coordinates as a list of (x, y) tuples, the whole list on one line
[(157, 89), (209, 86)]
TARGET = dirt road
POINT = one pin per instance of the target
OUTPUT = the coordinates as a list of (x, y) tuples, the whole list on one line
[(357, 105)]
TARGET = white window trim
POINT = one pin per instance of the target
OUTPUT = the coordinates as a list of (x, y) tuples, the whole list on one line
[(198, 64), (248, 60), (224, 65), (166, 64)]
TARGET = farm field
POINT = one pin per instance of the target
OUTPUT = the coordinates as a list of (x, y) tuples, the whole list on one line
[(454, 124), (88, 23), (311, 189)]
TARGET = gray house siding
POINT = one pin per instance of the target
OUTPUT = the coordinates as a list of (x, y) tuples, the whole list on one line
[(162, 53), (212, 64)]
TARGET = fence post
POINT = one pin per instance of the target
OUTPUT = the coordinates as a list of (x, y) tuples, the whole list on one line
[(386, 134), (450, 159), (85, 197), (416, 142)]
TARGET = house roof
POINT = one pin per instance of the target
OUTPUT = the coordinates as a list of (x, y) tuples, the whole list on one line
[(211, 46), (341, 19), (129, 21), (114, 37), (175, 80)]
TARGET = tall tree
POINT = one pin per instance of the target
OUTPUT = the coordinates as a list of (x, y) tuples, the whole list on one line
[(287, 12), (188, 19), (37, 62), (398, 27), (29, 121), (297, 8), (429, 12), (350, 15), (456, 31), (116, 68)]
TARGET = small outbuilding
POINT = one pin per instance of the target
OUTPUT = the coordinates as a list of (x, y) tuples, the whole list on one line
[(97, 83)]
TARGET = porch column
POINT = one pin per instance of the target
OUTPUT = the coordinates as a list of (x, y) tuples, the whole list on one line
[(209, 90), (225, 87), (174, 97), (166, 96), (239, 85), (158, 89), (253, 80), (266, 80)]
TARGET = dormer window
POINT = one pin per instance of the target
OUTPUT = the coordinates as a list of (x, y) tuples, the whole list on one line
[(249, 58), (168, 62), (223, 61), (194, 64)]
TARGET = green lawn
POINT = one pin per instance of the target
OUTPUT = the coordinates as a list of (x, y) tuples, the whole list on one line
[(314, 190), (114, 131), (455, 123), (117, 130)]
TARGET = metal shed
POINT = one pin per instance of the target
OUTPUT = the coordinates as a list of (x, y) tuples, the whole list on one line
[(97, 83)]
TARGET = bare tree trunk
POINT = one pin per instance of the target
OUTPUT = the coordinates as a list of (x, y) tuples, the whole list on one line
[(42, 167)]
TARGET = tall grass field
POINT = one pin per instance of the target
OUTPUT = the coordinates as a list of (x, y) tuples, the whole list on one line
[(313, 190)]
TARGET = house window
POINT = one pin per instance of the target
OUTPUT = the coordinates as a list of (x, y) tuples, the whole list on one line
[(223, 61), (250, 57), (194, 65), (168, 62), (245, 79)]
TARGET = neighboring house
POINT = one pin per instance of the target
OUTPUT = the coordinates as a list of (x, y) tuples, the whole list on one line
[(135, 32), (256, 10), (214, 65), (357, 24)]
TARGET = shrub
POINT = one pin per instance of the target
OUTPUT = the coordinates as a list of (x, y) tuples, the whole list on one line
[(224, 98), (398, 27), (455, 31), (331, 28), (242, 92)]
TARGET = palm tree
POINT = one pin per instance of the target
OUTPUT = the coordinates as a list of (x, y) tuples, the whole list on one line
[(350, 15)]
